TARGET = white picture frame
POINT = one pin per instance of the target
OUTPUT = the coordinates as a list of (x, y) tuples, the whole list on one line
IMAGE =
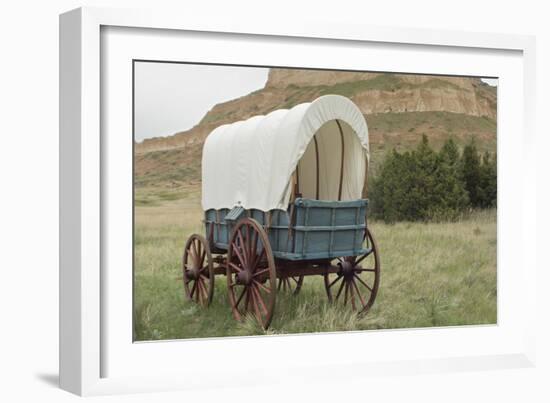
[(86, 333)]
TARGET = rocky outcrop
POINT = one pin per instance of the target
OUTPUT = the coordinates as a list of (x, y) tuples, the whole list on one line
[(374, 93)]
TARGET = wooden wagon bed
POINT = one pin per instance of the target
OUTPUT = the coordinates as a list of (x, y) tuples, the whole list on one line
[(308, 230)]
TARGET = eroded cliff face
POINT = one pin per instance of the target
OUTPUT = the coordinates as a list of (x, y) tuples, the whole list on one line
[(373, 93), (386, 93), (282, 78)]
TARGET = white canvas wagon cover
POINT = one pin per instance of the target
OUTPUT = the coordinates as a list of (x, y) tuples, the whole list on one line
[(251, 162)]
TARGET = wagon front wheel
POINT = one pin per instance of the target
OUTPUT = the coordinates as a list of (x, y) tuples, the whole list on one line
[(251, 275), (356, 283), (198, 270)]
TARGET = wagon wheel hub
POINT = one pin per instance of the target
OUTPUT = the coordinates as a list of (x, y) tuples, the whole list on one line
[(192, 273), (348, 268), (244, 277)]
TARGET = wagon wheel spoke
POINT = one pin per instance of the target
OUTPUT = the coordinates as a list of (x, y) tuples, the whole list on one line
[(263, 287), (363, 257), (352, 294), (204, 290), (253, 247), (242, 256), (241, 296), (255, 306), (195, 251), (199, 253), (203, 256), (234, 267), (257, 260), (259, 273), (338, 278), (193, 289), (340, 289), (346, 293), (362, 282), (197, 248), (239, 255), (363, 304), (197, 291), (246, 300), (260, 300), (200, 291)]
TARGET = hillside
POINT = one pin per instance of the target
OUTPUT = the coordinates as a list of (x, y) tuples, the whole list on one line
[(399, 108)]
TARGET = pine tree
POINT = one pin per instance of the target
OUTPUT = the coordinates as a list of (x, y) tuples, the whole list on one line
[(450, 153), (471, 173), (450, 188), (488, 181), (419, 185), (424, 182)]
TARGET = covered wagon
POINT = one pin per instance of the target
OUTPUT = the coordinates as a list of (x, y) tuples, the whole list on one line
[(284, 196)]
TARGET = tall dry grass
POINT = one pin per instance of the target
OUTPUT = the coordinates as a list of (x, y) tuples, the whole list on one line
[(433, 274)]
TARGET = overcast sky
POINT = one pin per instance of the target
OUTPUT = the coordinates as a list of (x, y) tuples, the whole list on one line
[(490, 81), (173, 97)]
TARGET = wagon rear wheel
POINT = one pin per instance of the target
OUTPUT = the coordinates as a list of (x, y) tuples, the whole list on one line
[(198, 270), (356, 283), (290, 284), (251, 275)]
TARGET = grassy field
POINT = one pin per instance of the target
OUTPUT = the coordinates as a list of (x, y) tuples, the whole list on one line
[(436, 274)]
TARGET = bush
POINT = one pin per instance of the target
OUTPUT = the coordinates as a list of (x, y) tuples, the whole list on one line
[(426, 185)]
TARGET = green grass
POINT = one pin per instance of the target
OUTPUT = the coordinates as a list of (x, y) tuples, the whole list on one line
[(435, 274)]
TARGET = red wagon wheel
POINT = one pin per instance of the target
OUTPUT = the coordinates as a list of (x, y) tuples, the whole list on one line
[(358, 279), (198, 270), (251, 275), (290, 284)]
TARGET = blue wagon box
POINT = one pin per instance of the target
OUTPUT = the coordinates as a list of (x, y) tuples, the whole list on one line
[(322, 229)]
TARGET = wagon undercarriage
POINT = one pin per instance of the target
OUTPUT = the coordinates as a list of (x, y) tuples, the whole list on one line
[(254, 276)]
